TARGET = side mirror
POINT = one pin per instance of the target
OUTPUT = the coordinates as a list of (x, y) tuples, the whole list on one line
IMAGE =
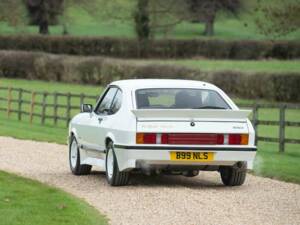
[(86, 108)]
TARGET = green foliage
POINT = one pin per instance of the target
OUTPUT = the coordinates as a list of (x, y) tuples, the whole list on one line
[(206, 11), (279, 17), (166, 48), (13, 12), (27, 202)]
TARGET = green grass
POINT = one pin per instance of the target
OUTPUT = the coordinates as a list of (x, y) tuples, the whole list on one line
[(251, 66), (24, 130), (269, 161), (82, 24), (50, 86), (26, 202), (282, 166)]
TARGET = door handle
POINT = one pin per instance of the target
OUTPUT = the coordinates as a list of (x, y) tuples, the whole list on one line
[(100, 120)]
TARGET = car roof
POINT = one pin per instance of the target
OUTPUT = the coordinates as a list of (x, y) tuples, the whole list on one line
[(135, 84)]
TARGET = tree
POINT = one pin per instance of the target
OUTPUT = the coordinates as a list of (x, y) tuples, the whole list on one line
[(146, 16), (44, 13), (142, 20), (206, 11), (13, 12), (278, 18)]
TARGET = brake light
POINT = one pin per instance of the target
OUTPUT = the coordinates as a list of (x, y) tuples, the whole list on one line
[(146, 138), (238, 139)]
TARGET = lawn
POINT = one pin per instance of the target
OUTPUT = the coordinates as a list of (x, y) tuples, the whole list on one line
[(269, 162), (82, 24), (251, 66), (26, 202)]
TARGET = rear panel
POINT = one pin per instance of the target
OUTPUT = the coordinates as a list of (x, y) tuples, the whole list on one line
[(192, 126)]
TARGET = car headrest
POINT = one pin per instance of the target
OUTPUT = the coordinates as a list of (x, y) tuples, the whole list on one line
[(142, 101)]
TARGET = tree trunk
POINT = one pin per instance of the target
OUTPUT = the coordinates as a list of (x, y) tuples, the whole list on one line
[(65, 29), (44, 28), (209, 26), (142, 20)]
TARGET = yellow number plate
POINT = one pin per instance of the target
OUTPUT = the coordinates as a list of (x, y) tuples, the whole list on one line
[(192, 156)]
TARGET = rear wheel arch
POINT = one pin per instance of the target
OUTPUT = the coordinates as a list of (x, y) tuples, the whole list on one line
[(73, 133), (113, 175), (76, 167)]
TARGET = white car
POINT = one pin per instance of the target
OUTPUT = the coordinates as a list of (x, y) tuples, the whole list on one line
[(162, 126)]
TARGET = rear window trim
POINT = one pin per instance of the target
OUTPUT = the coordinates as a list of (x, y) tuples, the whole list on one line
[(205, 89)]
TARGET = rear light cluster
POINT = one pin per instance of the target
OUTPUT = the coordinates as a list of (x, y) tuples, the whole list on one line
[(192, 139)]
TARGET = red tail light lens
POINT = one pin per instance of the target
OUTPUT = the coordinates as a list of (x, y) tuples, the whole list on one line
[(164, 138), (238, 139), (146, 138), (220, 139), (234, 139), (192, 139)]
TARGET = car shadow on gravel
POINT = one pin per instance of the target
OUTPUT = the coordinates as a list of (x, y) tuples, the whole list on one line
[(141, 180)]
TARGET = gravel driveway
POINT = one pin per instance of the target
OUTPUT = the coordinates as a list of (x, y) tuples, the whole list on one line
[(158, 200)]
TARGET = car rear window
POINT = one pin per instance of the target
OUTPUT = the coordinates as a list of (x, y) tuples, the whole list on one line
[(179, 98)]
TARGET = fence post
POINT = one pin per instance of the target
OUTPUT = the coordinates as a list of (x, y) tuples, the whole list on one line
[(82, 96), (68, 108), (20, 104), (255, 122), (43, 108), (32, 106), (55, 108), (281, 128), (9, 99)]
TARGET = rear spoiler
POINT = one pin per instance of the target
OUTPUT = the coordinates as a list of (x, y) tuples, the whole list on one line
[(220, 114)]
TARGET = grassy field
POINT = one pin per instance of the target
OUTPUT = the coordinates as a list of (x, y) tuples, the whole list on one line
[(82, 24), (269, 161), (27, 202), (251, 66)]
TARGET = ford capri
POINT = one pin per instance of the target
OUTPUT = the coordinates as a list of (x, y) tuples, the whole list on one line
[(157, 126)]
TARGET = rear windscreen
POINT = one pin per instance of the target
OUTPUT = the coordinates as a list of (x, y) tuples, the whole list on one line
[(179, 98)]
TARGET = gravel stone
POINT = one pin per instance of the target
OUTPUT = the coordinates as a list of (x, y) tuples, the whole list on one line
[(157, 200)]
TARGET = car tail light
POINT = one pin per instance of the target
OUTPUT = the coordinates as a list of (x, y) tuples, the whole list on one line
[(192, 139), (238, 139), (146, 138)]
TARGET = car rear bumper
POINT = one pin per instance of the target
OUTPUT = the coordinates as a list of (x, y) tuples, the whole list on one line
[(130, 157)]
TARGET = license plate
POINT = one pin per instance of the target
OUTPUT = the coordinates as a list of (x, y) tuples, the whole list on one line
[(192, 156)]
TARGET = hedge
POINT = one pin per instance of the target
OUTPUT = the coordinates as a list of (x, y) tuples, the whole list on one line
[(101, 71), (131, 48)]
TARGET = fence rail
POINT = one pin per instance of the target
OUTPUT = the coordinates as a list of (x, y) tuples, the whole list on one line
[(17, 96), (33, 103)]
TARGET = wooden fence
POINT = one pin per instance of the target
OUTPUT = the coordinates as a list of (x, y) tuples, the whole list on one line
[(16, 95), (282, 123), (33, 103)]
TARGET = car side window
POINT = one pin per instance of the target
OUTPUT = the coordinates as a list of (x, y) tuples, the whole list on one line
[(117, 102), (104, 106)]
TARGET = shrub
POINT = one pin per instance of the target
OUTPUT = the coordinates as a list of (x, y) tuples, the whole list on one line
[(131, 48), (101, 71)]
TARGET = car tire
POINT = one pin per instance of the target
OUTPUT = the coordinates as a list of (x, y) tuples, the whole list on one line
[(74, 159), (113, 176), (234, 175)]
